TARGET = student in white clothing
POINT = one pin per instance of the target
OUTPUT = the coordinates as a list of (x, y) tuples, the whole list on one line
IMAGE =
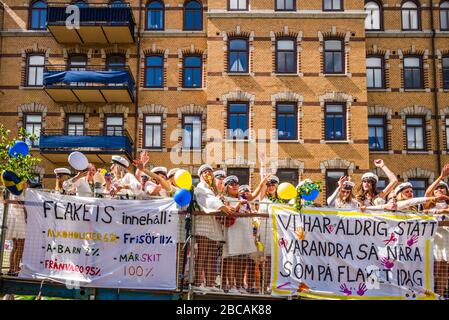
[(343, 197), (83, 183), (124, 182)]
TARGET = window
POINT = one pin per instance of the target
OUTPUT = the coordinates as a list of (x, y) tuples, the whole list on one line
[(382, 183), (419, 187), (332, 177), (33, 125), (333, 56), (193, 15), (373, 20), (285, 56), (288, 175), (374, 73), (415, 128), (444, 16), (413, 73), (192, 72), (77, 63), (285, 5), (240, 5), (377, 133), (152, 132), (332, 5), (154, 71), (38, 15), (447, 133), (238, 121), (155, 15), (75, 124), (445, 64), (410, 16), (286, 121), (238, 55), (113, 125), (115, 62), (191, 133), (335, 122), (241, 173), (35, 70)]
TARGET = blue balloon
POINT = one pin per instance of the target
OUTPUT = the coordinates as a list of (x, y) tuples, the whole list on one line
[(19, 147), (311, 196), (182, 197)]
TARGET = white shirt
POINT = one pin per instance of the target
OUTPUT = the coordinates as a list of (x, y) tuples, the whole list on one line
[(81, 187), (134, 186), (335, 202), (150, 186), (206, 198)]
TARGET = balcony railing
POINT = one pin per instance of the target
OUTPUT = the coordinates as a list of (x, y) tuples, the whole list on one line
[(89, 84), (107, 18), (90, 142)]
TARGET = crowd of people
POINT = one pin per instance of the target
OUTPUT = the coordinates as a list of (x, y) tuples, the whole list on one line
[(236, 247)]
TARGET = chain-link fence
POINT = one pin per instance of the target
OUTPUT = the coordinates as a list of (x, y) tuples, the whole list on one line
[(231, 255)]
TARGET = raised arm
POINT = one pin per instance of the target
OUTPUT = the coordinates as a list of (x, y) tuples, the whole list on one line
[(393, 180), (260, 187), (332, 199), (432, 187)]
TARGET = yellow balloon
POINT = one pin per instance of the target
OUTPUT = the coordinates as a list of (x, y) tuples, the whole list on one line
[(183, 179), (287, 191)]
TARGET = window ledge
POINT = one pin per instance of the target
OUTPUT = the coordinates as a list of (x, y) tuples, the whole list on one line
[(416, 90), (288, 141), (152, 150), (238, 140), (381, 151), (31, 88), (416, 152), (337, 141), (237, 74), (190, 89), (152, 89), (335, 74), (379, 90), (188, 150), (276, 74)]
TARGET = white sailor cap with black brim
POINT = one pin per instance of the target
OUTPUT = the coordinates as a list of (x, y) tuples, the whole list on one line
[(231, 179), (219, 174), (370, 176), (443, 184), (172, 172), (348, 185), (402, 187), (244, 188), (203, 168), (120, 161), (61, 171), (273, 180), (162, 170)]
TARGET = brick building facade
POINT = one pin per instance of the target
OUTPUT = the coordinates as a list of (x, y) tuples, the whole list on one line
[(295, 69)]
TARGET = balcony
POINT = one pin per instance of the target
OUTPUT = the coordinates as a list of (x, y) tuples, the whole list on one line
[(98, 23), (89, 84), (98, 145)]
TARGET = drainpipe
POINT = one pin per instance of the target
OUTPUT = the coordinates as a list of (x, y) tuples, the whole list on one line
[(136, 100), (435, 92)]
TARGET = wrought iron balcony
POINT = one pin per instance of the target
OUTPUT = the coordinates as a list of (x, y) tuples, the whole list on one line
[(98, 23)]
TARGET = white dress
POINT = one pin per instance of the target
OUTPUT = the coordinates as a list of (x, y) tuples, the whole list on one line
[(265, 228), (208, 202), (16, 219), (441, 244), (81, 187), (239, 237), (134, 186)]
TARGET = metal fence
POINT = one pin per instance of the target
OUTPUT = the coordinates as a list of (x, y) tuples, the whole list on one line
[(214, 261)]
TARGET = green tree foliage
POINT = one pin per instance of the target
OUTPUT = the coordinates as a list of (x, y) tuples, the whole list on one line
[(21, 166)]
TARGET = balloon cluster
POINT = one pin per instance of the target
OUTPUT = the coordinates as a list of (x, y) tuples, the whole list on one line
[(307, 190), (9, 178), (183, 179)]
